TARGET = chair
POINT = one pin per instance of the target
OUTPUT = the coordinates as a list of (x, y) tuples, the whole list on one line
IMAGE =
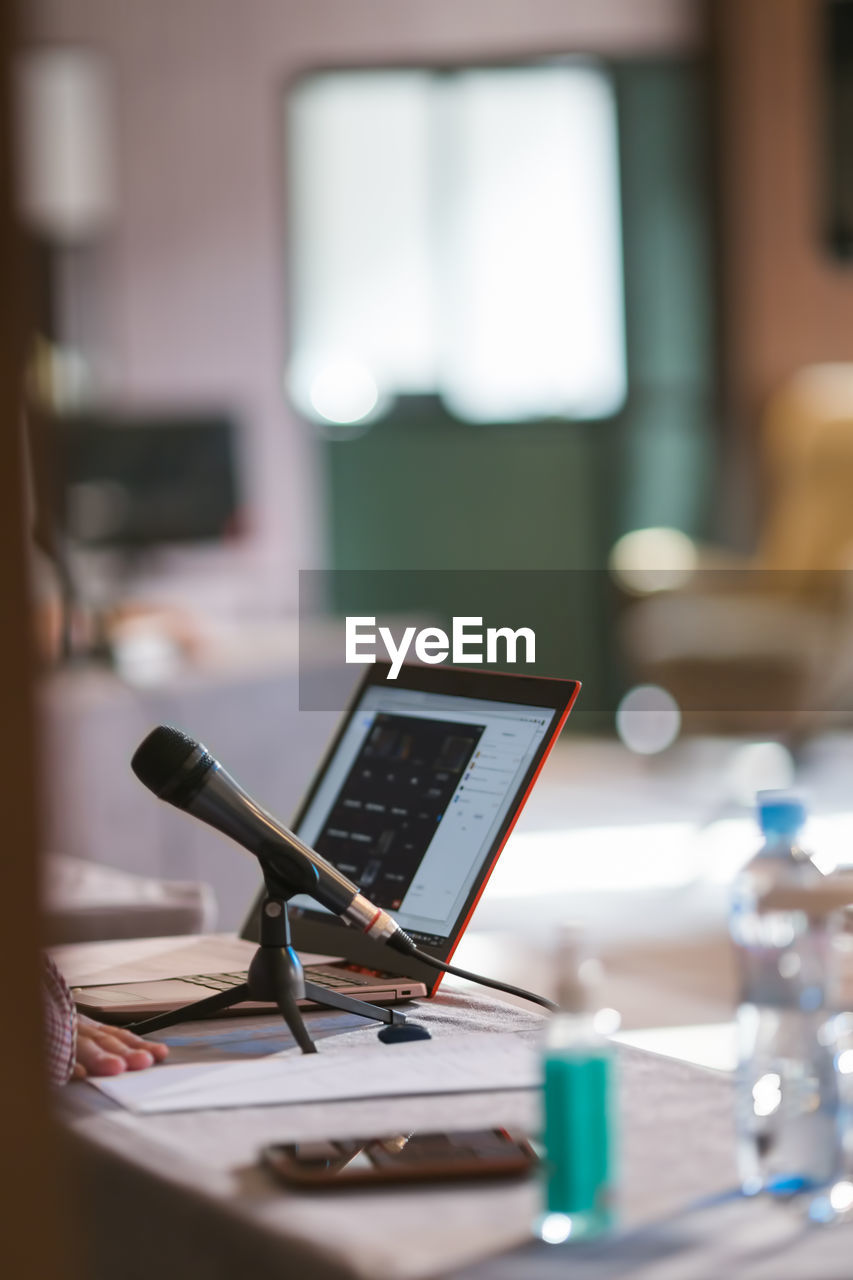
[(763, 642)]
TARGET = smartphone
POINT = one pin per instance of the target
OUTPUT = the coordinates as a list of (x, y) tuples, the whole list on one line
[(403, 1157)]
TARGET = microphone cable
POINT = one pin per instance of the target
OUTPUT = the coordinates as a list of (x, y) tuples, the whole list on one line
[(402, 942)]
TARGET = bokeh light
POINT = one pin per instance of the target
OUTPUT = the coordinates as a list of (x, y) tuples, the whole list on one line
[(657, 559), (344, 392), (759, 766), (648, 719)]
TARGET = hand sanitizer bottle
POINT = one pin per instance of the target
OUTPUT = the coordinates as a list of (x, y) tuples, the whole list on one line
[(787, 1105), (579, 1108)]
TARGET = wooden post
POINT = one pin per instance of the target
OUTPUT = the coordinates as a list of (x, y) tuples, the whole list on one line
[(36, 1243)]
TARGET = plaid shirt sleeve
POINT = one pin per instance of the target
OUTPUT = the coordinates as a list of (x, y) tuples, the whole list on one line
[(60, 1021)]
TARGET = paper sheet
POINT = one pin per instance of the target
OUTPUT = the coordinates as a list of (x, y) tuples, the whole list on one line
[(472, 1063)]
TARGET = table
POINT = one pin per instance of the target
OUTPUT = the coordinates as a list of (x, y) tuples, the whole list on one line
[(182, 1194)]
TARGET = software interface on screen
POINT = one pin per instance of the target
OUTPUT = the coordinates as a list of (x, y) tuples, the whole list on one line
[(415, 795)]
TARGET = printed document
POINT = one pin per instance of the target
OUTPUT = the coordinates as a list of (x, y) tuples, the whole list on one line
[(468, 1063)]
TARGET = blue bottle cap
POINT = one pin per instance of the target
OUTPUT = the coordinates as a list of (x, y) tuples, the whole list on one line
[(781, 812)]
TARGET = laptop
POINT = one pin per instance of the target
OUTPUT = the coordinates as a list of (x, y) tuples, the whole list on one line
[(414, 801)]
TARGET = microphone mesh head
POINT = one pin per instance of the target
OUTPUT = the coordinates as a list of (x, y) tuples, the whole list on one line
[(159, 758)]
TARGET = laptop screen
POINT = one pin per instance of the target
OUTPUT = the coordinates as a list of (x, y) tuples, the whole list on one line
[(415, 800), (415, 795)]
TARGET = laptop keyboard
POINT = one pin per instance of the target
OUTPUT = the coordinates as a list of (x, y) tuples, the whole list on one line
[(324, 975)]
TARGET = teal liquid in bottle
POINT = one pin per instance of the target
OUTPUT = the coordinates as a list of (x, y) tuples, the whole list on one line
[(578, 1100)]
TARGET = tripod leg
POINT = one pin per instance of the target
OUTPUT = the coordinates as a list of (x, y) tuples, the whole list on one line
[(192, 1012), (290, 1011), (337, 1000)]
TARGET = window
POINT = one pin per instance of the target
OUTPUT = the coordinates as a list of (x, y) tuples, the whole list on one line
[(456, 233)]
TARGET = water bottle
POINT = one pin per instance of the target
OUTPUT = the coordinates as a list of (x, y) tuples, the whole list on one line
[(787, 1106), (578, 1099)]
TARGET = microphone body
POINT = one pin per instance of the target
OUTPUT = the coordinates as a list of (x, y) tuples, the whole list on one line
[(184, 773)]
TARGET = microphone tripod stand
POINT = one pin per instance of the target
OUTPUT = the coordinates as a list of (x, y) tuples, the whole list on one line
[(275, 976)]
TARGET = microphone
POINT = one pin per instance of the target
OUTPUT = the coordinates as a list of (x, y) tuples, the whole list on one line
[(184, 773)]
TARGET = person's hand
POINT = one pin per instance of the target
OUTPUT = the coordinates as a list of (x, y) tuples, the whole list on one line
[(107, 1051)]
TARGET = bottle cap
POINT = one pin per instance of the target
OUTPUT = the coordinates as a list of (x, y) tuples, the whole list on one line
[(781, 812), (576, 970)]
